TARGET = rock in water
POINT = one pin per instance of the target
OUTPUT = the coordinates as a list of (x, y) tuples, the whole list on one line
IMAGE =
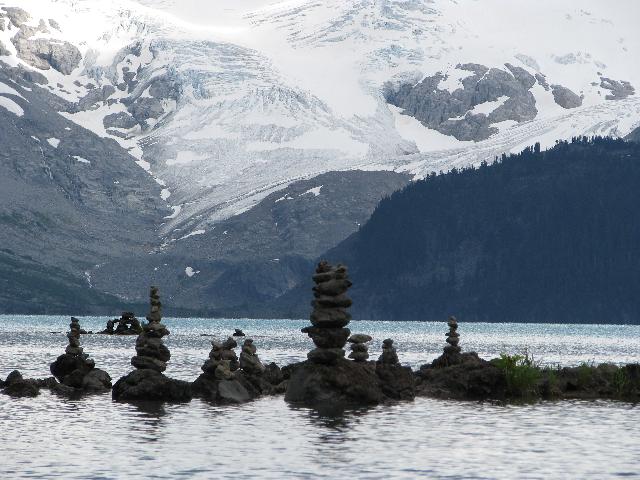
[(238, 333), (128, 324), (74, 369), (147, 382), (330, 316), (359, 347)]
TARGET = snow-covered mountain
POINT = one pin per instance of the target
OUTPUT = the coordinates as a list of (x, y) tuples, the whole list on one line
[(225, 104)]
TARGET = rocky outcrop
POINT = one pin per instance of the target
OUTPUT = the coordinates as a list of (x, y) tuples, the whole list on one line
[(389, 355), (565, 97), (451, 112), (128, 324), (619, 89), (17, 386), (249, 361), (119, 120), (147, 382), (42, 53)]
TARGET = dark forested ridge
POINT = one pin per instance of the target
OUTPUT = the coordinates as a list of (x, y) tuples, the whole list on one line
[(548, 236)]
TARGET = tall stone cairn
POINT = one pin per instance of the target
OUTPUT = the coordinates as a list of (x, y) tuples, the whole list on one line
[(330, 316), (74, 347), (151, 352), (453, 338)]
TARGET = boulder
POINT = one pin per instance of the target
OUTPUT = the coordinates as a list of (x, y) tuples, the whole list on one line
[(147, 384)]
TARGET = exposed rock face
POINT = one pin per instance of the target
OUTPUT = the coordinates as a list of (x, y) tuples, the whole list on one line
[(119, 120), (3, 49), (565, 97), (359, 347), (17, 386), (330, 315), (75, 370), (148, 382), (42, 53), (451, 113), (619, 88)]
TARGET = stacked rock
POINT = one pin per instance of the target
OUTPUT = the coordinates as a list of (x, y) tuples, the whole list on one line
[(249, 361), (359, 347), (128, 324), (330, 316), (151, 352), (222, 361), (389, 355), (453, 338), (75, 369)]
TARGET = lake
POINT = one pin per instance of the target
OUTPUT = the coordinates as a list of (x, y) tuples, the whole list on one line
[(51, 437)]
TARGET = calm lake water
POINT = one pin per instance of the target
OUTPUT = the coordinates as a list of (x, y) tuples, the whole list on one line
[(50, 437)]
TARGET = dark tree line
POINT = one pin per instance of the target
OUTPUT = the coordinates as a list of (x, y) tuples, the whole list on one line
[(549, 236)]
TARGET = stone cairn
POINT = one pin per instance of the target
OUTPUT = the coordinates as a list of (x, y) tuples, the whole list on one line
[(151, 352), (389, 355), (74, 368), (453, 338), (127, 324), (249, 361), (222, 361), (330, 316), (359, 347)]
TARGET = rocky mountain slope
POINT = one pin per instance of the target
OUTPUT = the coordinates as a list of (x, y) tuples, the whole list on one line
[(160, 125)]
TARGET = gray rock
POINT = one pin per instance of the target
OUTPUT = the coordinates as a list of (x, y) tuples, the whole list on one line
[(360, 338), (449, 112), (150, 385), (232, 391), (17, 16), (565, 97), (44, 54), (619, 89), (146, 108), (3, 49)]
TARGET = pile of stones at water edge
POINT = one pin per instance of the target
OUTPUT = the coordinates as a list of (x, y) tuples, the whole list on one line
[(330, 316), (148, 382), (238, 333), (389, 355), (359, 347), (75, 325), (452, 353), (226, 380), (74, 369), (128, 324), (327, 381)]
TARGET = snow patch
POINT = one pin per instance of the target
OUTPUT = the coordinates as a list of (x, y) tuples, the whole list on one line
[(11, 106), (165, 193), (197, 232), (53, 141), (80, 159), (190, 272), (312, 191)]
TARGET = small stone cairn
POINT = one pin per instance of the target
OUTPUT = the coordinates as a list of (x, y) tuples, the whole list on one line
[(127, 324), (359, 347), (453, 338), (151, 352), (249, 361), (389, 355), (74, 368), (222, 361), (330, 316)]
